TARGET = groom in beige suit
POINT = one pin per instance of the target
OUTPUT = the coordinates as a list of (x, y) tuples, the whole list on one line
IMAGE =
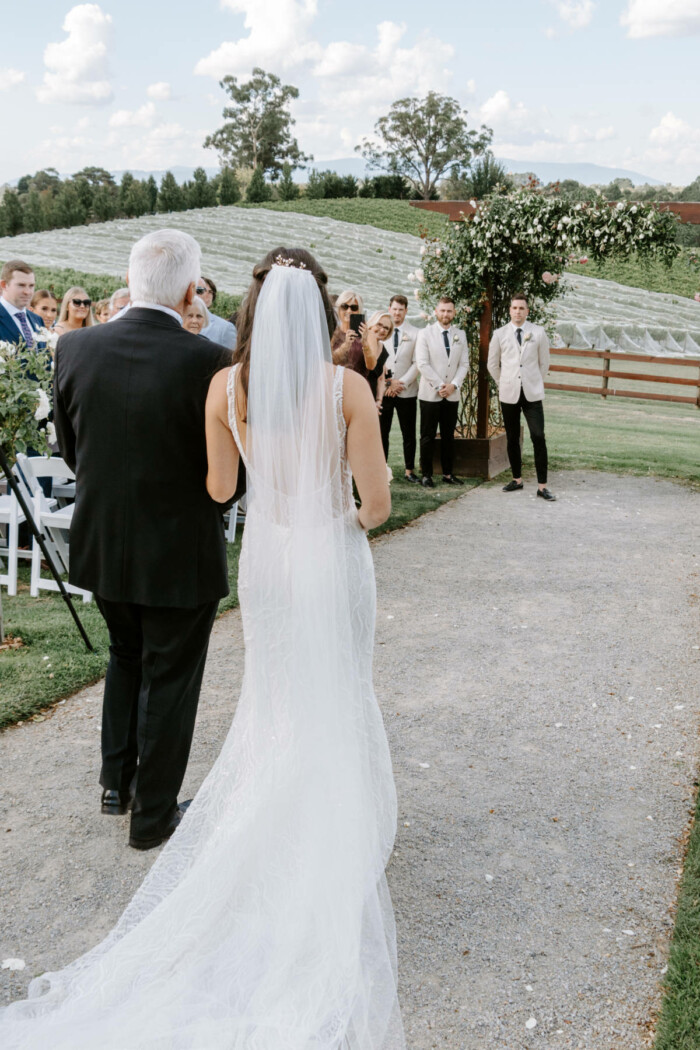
[(442, 356), (519, 361)]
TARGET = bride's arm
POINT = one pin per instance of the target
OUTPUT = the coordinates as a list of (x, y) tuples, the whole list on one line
[(365, 453), (222, 452)]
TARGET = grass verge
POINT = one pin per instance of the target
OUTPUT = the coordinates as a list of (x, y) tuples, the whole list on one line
[(398, 216), (681, 278)]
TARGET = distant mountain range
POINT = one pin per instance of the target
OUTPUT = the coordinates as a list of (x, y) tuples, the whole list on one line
[(546, 171)]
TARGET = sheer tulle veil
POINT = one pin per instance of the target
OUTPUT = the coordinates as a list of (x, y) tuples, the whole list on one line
[(265, 923)]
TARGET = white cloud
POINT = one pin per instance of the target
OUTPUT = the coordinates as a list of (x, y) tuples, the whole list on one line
[(143, 117), (672, 130), (578, 134), (512, 120), (278, 38), (76, 68), (646, 18), (9, 78), (161, 92), (577, 14)]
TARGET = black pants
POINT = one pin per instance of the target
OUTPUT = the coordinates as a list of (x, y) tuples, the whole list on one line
[(442, 413), (154, 676), (534, 415), (406, 410)]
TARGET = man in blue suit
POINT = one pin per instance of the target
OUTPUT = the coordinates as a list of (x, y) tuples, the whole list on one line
[(17, 322)]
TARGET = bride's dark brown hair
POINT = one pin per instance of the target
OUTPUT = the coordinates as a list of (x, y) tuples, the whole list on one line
[(302, 260)]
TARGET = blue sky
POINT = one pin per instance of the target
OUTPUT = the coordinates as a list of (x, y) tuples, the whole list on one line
[(135, 84)]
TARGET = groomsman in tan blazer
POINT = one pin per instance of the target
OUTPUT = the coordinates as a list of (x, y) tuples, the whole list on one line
[(519, 361), (401, 391), (442, 355)]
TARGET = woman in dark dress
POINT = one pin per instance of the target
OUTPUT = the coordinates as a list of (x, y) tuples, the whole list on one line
[(350, 348)]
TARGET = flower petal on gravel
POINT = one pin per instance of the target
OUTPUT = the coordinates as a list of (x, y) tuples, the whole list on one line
[(532, 1023), (13, 964)]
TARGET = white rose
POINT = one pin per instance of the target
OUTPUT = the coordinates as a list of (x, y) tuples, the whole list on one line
[(44, 407), (416, 293), (51, 433), (420, 276), (412, 278), (619, 206)]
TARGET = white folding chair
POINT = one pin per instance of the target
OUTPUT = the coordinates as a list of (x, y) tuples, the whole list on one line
[(53, 522), (11, 517), (232, 522)]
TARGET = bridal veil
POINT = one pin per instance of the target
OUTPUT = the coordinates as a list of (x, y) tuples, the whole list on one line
[(265, 923)]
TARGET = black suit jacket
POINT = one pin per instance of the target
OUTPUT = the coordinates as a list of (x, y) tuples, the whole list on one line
[(129, 402)]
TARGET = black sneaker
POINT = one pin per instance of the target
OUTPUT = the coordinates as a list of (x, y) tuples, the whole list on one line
[(545, 494), (513, 486), (413, 478), (427, 482), (450, 479)]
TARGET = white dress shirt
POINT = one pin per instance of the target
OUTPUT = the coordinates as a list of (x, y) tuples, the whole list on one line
[(149, 306)]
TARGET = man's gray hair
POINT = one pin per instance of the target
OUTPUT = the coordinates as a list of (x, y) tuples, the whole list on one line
[(162, 266), (121, 293)]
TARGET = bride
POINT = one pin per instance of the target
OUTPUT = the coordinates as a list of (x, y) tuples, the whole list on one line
[(265, 924)]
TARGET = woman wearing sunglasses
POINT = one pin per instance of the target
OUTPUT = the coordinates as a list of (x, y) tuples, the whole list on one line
[(354, 348), (75, 311)]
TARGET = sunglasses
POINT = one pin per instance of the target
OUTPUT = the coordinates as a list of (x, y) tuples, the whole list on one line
[(349, 306), (81, 302), (202, 291)]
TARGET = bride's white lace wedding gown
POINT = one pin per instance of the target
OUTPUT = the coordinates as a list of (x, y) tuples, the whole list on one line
[(265, 923)]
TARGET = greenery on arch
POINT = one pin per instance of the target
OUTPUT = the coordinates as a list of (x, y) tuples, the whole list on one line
[(521, 243)]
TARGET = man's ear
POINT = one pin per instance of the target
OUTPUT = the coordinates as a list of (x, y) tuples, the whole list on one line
[(190, 293)]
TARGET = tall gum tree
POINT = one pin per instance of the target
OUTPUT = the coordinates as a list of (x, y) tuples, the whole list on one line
[(423, 139), (258, 125)]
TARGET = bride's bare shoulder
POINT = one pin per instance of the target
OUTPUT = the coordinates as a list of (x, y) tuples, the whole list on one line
[(357, 394)]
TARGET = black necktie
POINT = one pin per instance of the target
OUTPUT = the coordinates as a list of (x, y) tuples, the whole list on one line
[(446, 341), (396, 339), (519, 335)]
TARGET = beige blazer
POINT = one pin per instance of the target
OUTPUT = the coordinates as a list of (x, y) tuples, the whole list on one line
[(404, 365), (436, 367), (517, 368)]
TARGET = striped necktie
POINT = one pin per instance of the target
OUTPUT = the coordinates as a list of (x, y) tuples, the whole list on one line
[(26, 327)]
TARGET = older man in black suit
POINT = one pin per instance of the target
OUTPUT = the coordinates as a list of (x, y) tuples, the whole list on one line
[(146, 537)]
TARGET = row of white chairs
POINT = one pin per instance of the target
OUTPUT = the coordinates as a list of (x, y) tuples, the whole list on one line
[(53, 516)]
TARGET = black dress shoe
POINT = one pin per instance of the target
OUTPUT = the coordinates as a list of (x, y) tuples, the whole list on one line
[(170, 829), (513, 486), (545, 494), (413, 478), (427, 482), (450, 479), (116, 803)]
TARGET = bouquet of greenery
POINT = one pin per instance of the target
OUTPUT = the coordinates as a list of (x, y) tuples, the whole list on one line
[(25, 397)]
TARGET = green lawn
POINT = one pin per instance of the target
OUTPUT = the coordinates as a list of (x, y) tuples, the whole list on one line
[(399, 216), (682, 278)]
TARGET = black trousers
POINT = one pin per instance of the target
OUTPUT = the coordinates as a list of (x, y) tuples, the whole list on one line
[(406, 410), (534, 416), (154, 676), (442, 413)]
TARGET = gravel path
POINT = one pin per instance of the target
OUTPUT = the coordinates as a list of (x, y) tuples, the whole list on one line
[(537, 666)]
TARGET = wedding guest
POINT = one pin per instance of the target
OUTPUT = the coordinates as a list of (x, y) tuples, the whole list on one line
[(379, 329), (18, 324), (348, 345), (218, 329), (442, 355), (75, 311), (401, 392), (45, 304), (196, 317), (519, 361), (101, 311), (118, 303)]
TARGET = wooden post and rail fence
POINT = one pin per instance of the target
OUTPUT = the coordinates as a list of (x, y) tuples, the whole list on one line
[(606, 373)]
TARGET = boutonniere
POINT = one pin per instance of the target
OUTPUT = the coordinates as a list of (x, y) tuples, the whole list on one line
[(455, 338), (404, 338), (527, 337)]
